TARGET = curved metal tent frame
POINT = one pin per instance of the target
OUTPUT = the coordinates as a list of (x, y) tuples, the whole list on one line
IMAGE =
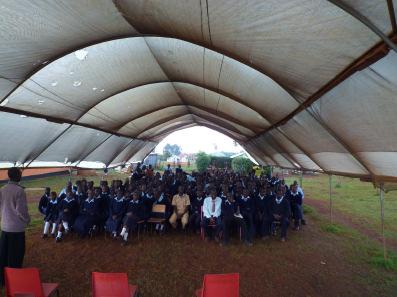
[(259, 81)]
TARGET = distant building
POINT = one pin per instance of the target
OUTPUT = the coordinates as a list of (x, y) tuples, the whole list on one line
[(151, 159), (244, 155)]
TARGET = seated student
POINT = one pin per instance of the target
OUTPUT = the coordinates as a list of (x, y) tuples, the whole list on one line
[(44, 200), (68, 210), (212, 209), (195, 214), (181, 203), (261, 208), (247, 208), (295, 199), (117, 208), (267, 214), (133, 215), (103, 207), (80, 195), (280, 211), (231, 215), (51, 215), (162, 199), (89, 215), (62, 194), (147, 200)]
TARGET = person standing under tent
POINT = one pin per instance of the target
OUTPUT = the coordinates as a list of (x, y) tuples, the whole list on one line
[(14, 220)]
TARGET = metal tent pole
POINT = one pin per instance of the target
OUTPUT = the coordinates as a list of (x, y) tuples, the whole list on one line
[(301, 179), (70, 173), (330, 197), (382, 216)]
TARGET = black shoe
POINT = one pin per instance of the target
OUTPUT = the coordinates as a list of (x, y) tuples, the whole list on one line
[(44, 236), (58, 239), (124, 243), (303, 222)]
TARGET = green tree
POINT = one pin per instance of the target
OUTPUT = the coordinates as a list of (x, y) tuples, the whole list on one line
[(242, 165), (202, 161), (171, 149)]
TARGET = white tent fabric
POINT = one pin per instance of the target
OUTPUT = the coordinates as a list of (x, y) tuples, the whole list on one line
[(307, 85)]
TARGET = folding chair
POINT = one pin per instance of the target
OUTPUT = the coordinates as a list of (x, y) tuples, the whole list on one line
[(158, 214), (220, 285), (26, 282), (112, 285)]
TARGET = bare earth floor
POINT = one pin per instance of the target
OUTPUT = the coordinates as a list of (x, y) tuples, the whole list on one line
[(311, 263)]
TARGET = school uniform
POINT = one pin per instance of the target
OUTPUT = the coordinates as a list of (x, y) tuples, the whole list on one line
[(88, 217), (247, 208), (281, 207), (68, 211), (117, 208), (195, 214), (51, 216), (43, 203), (163, 200), (103, 208), (80, 197), (296, 203), (262, 206), (147, 205), (134, 213), (229, 218)]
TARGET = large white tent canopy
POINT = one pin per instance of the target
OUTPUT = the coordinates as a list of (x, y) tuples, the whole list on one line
[(300, 84)]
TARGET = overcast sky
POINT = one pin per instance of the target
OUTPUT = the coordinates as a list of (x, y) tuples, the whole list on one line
[(195, 139)]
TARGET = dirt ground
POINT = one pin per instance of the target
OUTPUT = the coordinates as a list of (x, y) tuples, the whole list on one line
[(311, 263)]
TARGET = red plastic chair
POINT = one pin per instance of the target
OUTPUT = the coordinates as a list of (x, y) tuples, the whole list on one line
[(112, 285), (220, 285), (26, 282)]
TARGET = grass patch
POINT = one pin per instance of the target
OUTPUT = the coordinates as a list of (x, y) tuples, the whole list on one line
[(334, 228), (352, 197), (310, 211), (390, 263)]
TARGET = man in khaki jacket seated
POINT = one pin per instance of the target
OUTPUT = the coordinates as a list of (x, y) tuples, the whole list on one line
[(181, 203)]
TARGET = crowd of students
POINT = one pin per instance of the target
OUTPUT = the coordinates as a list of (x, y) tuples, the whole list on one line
[(217, 201)]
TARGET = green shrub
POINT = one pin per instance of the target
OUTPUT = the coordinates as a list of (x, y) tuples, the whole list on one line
[(202, 161), (242, 165)]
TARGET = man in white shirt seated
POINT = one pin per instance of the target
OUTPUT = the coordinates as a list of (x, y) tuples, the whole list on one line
[(212, 215)]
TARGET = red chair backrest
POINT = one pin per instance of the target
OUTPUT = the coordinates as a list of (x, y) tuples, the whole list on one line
[(221, 285), (23, 281), (110, 285)]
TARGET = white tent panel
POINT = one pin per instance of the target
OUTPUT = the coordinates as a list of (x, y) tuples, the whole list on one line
[(108, 150), (34, 32), (23, 138), (74, 145)]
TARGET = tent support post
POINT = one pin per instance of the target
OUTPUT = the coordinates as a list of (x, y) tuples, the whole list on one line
[(70, 173), (330, 197), (301, 179), (382, 217)]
